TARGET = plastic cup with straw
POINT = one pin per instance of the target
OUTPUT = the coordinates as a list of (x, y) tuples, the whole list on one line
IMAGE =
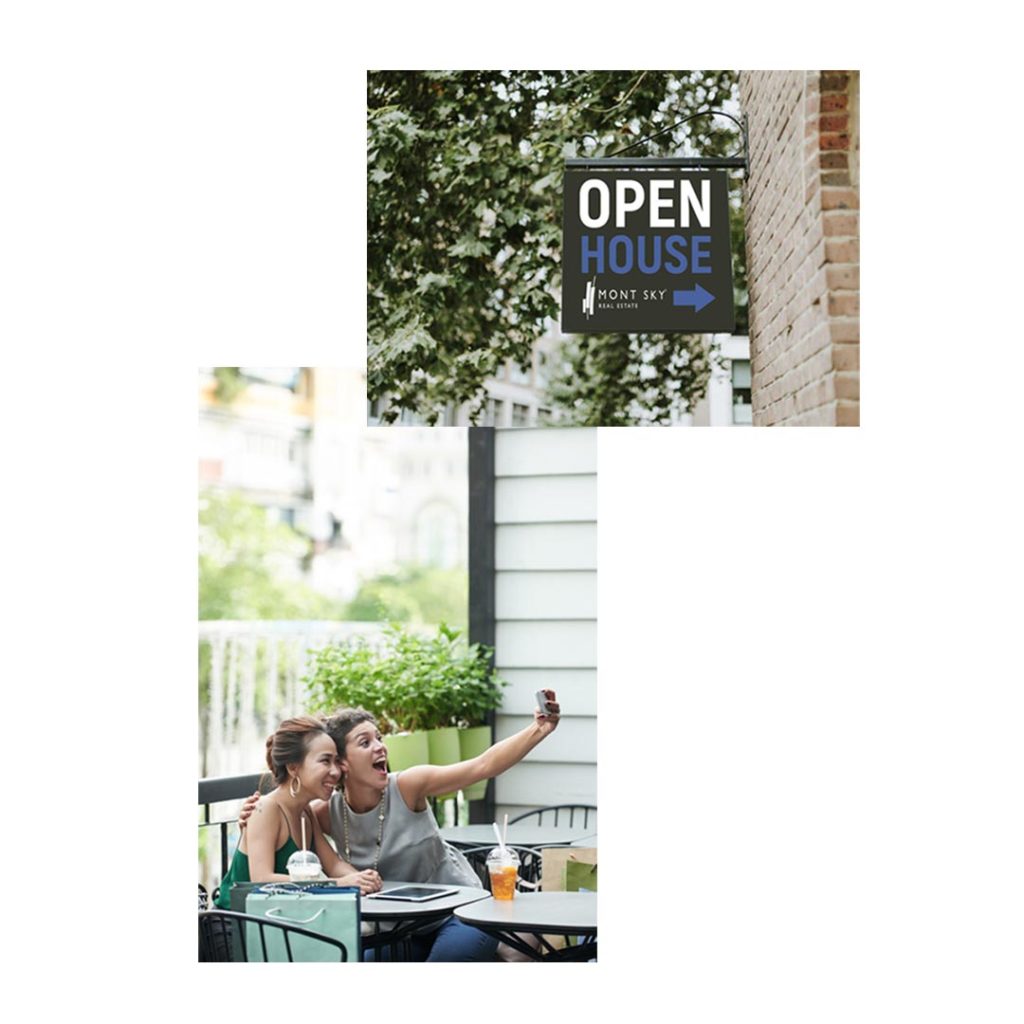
[(502, 867), (304, 865)]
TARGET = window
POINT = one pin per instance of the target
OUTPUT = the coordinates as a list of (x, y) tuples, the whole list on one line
[(517, 375), (520, 415), (742, 412)]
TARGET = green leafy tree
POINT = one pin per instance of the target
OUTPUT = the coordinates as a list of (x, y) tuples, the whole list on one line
[(244, 562), (414, 594), (464, 224)]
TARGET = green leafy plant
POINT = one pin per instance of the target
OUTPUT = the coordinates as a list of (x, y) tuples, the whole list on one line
[(409, 681)]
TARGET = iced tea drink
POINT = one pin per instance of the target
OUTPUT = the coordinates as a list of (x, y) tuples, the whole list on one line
[(503, 882), (503, 868)]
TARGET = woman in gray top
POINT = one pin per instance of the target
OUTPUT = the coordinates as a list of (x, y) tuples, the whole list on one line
[(382, 824)]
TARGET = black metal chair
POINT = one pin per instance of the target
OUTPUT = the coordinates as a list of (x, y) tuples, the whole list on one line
[(204, 898), (529, 865), (574, 812), (222, 937)]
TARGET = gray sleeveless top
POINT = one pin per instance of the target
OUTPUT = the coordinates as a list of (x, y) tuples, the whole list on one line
[(412, 849)]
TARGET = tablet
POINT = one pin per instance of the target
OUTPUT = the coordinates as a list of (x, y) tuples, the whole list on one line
[(413, 893)]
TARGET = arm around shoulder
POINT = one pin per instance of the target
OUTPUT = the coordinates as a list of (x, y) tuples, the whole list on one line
[(261, 837)]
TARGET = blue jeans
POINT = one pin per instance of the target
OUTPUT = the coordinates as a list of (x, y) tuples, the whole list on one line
[(452, 942)]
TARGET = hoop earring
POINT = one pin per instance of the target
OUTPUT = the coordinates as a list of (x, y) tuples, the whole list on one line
[(298, 785)]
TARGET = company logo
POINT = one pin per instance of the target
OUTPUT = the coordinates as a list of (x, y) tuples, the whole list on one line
[(588, 301)]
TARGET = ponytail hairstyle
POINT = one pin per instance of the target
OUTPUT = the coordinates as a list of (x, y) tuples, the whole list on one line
[(290, 743)]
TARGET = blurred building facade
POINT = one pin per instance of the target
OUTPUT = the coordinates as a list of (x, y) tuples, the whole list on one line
[(727, 402), (367, 501)]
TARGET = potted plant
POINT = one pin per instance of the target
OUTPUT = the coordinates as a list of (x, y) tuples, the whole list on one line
[(358, 674), (476, 694), (431, 694), (452, 687)]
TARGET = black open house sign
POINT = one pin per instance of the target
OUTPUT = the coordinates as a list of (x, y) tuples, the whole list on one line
[(646, 250)]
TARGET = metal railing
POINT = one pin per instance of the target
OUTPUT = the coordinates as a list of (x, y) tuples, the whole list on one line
[(251, 676), (215, 791)]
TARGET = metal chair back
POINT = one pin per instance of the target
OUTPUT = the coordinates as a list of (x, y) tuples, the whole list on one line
[(222, 937), (529, 864), (567, 815)]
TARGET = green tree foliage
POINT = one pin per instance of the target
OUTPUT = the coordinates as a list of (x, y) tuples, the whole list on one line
[(464, 225), (230, 383), (245, 559), (414, 594)]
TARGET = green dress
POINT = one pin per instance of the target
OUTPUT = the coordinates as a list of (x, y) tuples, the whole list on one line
[(239, 869)]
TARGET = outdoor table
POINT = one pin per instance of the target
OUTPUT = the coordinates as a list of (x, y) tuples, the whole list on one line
[(540, 914), (406, 918), (521, 834)]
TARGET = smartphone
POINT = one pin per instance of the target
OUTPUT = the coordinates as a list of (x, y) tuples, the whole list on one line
[(542, 702)]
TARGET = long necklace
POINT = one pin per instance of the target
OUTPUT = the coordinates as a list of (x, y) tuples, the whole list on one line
[(380, 827)]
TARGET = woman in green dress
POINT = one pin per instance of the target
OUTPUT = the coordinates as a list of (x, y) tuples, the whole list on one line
[(303, 759)]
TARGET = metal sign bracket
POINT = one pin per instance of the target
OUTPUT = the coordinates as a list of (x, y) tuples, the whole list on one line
[(734, 162)]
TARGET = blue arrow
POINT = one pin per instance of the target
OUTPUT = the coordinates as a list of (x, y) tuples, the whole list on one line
[(698, 298)]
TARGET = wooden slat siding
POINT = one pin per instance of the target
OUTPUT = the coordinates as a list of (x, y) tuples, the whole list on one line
[(545, 595), (546, 606), (546, 546), (548, 451), (573, 742), (541, 644), (576, 689), (552, 499), (542, 783)]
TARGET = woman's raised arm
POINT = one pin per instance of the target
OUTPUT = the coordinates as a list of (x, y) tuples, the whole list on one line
[(425, 780)]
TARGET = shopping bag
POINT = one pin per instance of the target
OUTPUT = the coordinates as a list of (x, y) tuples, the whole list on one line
[(332, 911), (580, 877), (554, 860)]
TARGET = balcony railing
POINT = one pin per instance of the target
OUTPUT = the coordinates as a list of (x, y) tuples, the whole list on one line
[(250, 678)]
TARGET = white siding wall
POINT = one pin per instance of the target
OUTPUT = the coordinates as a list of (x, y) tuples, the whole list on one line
[(546, 607)]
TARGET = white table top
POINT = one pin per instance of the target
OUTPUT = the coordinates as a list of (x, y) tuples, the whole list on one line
[(373, 908), (573, 913)]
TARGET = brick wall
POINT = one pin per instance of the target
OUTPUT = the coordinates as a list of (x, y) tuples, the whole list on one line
[(802, 201)]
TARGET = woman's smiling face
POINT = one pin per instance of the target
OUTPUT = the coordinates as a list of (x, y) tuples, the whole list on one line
[(319, 772), (366, 757)]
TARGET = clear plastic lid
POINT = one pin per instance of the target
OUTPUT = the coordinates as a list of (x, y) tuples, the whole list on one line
[(303, 864), (498, 858)]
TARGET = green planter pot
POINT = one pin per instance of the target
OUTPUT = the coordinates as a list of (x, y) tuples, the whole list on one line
[(472, 743), (407, 749), (444, 749)]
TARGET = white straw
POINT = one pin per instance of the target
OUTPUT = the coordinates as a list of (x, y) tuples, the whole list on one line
[(498, 834), (303, 831), (504, 832)]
